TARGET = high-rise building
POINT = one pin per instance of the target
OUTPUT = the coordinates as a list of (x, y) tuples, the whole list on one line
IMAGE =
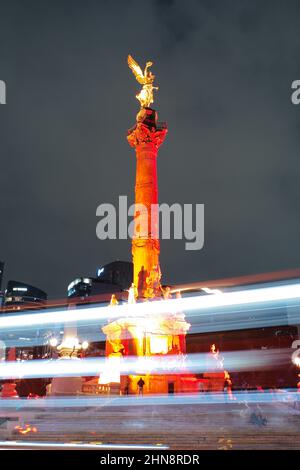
[(89, 287), (119, 273), (111, 278), (19, 294)]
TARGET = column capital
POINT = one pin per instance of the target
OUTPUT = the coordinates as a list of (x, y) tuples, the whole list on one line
[(141, 135), (147, 130)]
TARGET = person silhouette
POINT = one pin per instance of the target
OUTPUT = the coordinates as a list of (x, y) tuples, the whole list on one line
[(142, 281), (140, 385)]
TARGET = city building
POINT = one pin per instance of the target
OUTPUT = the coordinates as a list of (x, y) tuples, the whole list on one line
[(21, 295), (89, 287), (111, 278), (119, 273)]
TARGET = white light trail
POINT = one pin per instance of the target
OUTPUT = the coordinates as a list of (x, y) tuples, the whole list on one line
[(267, 396), (193, 363), (200, 302), (70, 445), (250, 296)]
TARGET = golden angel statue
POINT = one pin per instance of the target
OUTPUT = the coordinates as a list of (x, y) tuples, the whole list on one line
[(146, 79)]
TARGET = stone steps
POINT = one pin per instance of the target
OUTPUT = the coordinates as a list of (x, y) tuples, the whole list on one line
[(179, 427)]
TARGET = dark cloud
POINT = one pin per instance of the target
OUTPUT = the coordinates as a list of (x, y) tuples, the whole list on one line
[(224, 71)]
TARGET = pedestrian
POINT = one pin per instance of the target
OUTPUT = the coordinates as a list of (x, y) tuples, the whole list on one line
[(140, 385), (127, 386)]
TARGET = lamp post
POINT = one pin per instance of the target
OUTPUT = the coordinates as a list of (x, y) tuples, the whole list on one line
[(68, 346), (68, 349)]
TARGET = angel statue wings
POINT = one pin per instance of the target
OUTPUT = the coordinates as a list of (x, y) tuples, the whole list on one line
[(146, 79)]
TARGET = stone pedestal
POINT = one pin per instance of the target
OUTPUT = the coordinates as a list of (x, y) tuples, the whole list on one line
[(68, 351), (65, 386), (160, 337)]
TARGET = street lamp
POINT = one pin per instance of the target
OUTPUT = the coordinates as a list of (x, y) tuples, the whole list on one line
[(68, 346)]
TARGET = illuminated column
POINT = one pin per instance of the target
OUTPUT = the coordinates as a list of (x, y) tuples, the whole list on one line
[(146, 137)]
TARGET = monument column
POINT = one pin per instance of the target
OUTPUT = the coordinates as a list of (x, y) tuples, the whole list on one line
[(146, 137), (142, 335)]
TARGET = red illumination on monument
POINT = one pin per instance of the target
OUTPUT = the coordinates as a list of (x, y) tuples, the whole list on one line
[(142, 336), (146, 137)]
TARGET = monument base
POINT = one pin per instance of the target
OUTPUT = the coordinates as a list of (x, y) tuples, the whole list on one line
[(65, 386)]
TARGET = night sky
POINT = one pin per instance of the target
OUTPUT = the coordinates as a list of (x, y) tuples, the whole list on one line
[(224, 69)]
